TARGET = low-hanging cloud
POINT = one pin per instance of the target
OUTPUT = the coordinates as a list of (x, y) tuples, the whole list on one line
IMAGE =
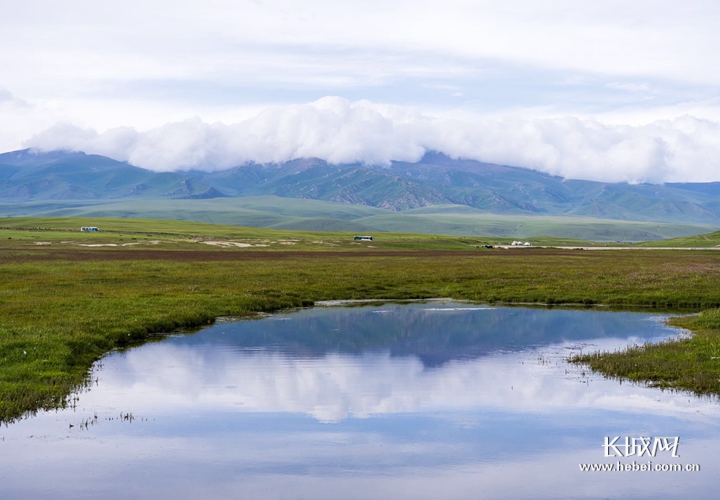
[(339, 131)]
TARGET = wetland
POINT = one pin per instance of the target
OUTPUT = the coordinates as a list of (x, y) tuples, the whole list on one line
[(63, 306), (97, 351), (384, 400)]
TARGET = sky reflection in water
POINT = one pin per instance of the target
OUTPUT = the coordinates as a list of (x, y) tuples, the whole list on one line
[(436, 400)]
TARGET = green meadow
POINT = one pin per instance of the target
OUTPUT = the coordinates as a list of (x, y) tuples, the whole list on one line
[(696, 241), (64, 232), (274, 212), (67, 298)]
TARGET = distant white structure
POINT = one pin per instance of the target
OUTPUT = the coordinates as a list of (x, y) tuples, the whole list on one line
[(89, 229), (520, 244), (363, 238)]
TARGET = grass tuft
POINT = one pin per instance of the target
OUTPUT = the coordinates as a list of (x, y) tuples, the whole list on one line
[(689, 363)]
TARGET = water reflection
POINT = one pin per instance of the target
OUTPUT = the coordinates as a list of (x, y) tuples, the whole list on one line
[(413, 401)]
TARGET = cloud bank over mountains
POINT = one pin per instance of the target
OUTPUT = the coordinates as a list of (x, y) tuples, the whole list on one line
[(254, 74), (340, 131)]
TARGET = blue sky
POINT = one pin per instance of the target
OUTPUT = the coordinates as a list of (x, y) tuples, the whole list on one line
[(610, 90)]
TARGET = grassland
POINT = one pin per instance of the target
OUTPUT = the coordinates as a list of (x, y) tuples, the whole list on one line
[(276, 212), (63, 232), (64, 305), (697, 241)]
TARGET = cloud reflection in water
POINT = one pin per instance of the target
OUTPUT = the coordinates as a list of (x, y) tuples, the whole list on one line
[(418, 402)]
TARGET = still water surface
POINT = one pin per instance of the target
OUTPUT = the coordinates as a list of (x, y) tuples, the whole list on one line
[(425, 400)]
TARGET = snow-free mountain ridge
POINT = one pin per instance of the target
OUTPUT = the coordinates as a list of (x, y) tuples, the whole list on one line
[(27, 176)]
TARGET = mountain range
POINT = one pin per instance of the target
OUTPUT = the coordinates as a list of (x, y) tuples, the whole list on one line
[(437, 184)]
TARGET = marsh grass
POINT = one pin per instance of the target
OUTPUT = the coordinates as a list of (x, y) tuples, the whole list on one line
[(690, 363), (59, 314)]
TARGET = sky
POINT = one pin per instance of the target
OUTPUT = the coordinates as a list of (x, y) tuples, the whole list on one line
[(611, 90)]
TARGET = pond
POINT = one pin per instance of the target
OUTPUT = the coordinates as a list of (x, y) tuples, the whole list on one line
[(424, 400)]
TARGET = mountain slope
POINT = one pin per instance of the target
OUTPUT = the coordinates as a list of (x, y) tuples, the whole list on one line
[(76, 176), (315, 215), (434, 181)]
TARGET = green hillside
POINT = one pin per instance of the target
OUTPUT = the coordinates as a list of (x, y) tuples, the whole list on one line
[(63, 175), (316, 215), (531, 226), (71, 180), (696, 241)]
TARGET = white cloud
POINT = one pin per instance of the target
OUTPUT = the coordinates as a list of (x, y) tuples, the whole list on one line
[(337, 386), (339, 131), (630, 87), (103, 66), (650, 37)]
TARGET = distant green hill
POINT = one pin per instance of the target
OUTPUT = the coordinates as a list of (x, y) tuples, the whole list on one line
[(436, 195), (695, 241), (62, 175), (532, 226), (302, 214)]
